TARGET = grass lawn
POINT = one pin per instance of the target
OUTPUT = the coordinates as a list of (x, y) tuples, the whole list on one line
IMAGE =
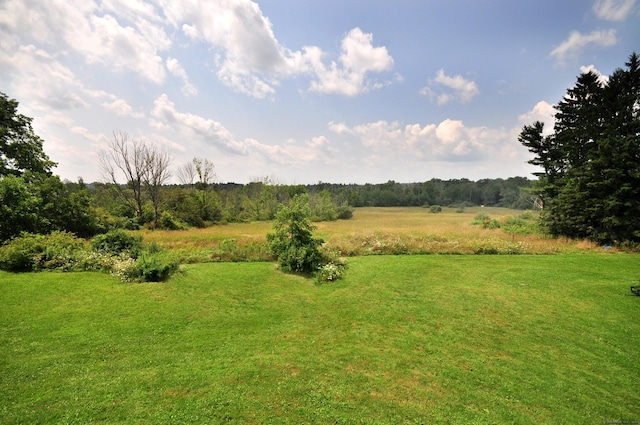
[(449, 339)]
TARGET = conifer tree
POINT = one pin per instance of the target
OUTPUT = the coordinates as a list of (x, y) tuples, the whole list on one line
[(590, 179)]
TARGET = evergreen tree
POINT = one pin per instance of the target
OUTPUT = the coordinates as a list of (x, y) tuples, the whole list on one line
[(590, 179)]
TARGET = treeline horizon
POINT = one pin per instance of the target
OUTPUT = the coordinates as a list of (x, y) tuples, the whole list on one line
[(499, 192), (200, 205)]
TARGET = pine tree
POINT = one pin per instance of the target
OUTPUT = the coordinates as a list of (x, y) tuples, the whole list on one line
[(590, 183)]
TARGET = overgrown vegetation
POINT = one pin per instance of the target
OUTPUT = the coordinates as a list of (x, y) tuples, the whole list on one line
[(295, 248), (116, 252)]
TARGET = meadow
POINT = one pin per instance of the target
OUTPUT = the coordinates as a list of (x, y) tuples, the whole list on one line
[(413, 339), (379, 230)]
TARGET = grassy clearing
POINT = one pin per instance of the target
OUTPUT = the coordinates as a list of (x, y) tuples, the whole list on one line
[(402, 339), (401, 230)]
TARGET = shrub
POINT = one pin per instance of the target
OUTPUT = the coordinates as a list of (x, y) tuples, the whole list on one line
[(169, 222), (116, 242), (517, 225), (293, 244), (154, 267), (332, 267), (31, 252), (435, 209), (344, 212), (485, 221)]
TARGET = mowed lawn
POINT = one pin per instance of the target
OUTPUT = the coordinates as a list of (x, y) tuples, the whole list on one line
[(433, 339)]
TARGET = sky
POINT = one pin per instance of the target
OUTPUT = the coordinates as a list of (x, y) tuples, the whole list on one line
[(302, 91)]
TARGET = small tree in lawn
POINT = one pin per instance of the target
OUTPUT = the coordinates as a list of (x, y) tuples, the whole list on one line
[(293, 244)]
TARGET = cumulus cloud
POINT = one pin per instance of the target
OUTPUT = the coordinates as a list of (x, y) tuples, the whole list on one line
[(604, 79), (358, 58), (177, 70), (205, 129), (250, 60), (613, 10), (122, 108), (459, 89), (449, 140), (81, 27), (577, 42), (41, 78), (131, 36), (543, 112)]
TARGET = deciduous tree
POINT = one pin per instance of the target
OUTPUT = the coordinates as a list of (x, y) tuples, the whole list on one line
[(20, 148)]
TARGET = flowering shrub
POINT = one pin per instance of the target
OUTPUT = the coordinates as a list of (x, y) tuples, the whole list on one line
[(62, 251), (331, 271)]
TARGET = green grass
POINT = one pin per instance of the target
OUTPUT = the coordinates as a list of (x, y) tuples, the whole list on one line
[(402, 339)]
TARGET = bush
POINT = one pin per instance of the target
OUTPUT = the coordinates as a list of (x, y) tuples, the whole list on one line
[(344, 212), (31, 252), (332, 267), (485, 221), (169, 222), (435, 209), (155, 267), (293, 244), (117, 242)]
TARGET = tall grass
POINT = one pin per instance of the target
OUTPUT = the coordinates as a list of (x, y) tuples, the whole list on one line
[(376, 231), (401, 339)]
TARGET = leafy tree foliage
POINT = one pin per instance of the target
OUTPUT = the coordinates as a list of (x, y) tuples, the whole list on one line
[(293, 244), (590, 178), (20, 148), (37, 203)]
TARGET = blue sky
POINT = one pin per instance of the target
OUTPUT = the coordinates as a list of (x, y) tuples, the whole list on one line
[(302, 91)]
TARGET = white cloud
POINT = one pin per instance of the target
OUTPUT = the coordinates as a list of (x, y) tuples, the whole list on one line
[(122, 108), (79, 27), (613, 10), (576, 42), (207, 130), (41, 79), (131, 36), (462, 90), (543, 112), (604, 79), (449, 141), (358, 57), (177, 70), (249, 58)]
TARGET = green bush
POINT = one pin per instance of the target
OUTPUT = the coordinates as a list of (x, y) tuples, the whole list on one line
[(435, 209), (31, 252), (169, 222), (293, 244), (332, 267), (483, 219), (344, 212), (155, 267), (520, 226), (117, 242)]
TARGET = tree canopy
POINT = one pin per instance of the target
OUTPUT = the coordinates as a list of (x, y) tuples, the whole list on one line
[(20, 148), (590, 178)]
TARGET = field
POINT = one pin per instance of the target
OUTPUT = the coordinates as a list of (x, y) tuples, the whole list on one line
[(444, 339), (409, 230)]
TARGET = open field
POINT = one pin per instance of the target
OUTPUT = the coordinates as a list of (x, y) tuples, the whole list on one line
[(397, 230), (402, 339)]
